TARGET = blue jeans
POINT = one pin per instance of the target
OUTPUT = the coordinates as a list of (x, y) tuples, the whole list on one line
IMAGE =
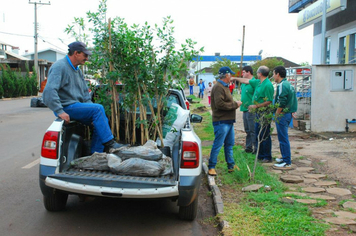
[(92, 114), (265, 151), (191, 89), (224, 134), (282, 132), (249, 126), (201, 92)]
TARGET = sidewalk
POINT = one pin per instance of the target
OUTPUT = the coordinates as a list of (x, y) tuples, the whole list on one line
[(307, 182)]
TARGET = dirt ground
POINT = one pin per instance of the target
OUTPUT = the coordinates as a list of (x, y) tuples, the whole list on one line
[(337, 151), (206, 212), (332, 154)]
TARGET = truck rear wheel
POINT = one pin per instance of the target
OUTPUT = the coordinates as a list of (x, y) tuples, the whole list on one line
[(56, 201), (189, 212)]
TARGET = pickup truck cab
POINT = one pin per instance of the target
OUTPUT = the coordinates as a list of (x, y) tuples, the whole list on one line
[(63, 143)]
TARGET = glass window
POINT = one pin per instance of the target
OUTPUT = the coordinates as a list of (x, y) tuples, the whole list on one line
[(342, 50), (352, 49), (327, 53)]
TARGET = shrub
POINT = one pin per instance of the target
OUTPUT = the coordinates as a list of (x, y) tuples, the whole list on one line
[(7, 81)]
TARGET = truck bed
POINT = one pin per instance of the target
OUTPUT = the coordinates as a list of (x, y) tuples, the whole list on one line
[(109, 179)]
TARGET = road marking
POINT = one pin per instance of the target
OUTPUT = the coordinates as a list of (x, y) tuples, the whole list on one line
[(32, 164)]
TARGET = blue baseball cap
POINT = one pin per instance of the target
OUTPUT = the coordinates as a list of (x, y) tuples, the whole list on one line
[(79, 46), (224, 70)]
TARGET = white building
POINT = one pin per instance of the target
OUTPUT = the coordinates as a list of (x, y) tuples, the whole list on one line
[(332, 83)]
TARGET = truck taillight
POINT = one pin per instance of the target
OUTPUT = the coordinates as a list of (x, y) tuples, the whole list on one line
[(187, 104), (50, 145), (190, 155)]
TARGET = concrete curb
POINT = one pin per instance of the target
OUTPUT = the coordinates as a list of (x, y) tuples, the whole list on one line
[(16, 98), (217, 197)]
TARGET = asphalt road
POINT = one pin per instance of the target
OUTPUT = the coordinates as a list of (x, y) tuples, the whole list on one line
[(21, 207)]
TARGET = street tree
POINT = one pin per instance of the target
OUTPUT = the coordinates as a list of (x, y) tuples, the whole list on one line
[(221, 63), (147, 61), (264, 117), (271, 63)]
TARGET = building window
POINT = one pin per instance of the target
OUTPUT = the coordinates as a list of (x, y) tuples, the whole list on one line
[(342, 50), (352, 49), (327, 53)]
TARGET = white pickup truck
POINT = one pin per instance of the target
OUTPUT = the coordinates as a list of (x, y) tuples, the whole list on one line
[(63, 143)]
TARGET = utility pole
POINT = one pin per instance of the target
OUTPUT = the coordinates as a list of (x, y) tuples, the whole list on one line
[(242, 50), (323, 29), (36, 36)]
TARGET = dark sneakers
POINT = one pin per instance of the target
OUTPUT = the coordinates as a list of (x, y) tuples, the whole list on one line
[(247, 150), (266, 161), (112, 144)]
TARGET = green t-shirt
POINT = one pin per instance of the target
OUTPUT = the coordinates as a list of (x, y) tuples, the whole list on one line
[(263, 92), (247, 91)]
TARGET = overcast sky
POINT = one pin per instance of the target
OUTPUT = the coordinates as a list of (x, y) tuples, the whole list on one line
[(215, 25)]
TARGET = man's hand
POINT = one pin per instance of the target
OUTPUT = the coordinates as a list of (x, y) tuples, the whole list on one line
[(64, 116), (239, 103), (251, 107)]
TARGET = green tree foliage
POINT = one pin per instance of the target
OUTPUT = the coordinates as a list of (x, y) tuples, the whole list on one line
[(271, 63), (8, 83), (78, 24), (221, 63), (304, 63), (13, 84), (1, 84), (32, 80), (147, 61), (264, 117), (20, 84)]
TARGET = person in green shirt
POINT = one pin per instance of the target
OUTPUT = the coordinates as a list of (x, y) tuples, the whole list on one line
[(262, 97), (288, 105), (247, 91)]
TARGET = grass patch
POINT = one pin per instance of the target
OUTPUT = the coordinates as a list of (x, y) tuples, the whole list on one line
[(262, 212), (279, 218), (205, 128), (206, 150)]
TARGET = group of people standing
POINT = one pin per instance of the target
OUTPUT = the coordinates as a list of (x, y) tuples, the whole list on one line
[(255, 93), (202, 88)]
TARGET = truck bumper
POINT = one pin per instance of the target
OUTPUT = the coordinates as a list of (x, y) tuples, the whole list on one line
[(44, 172), (92, 190), (188, 189)]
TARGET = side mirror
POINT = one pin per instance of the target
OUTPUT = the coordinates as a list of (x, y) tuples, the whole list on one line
[(196, 118)]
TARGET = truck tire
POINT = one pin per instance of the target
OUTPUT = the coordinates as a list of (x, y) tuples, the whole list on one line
[(189, 212), (56, 201), (33, 102)]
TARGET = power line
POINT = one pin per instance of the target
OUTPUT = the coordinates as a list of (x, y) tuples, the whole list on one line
[(22, 35), (46, 41)]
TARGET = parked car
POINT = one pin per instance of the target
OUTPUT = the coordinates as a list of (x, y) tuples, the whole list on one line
[(63, 143)]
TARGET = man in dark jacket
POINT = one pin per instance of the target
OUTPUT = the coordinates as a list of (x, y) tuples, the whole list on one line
[(224, 114)]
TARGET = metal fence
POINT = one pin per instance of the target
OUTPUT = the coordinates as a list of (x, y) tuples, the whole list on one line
[(300, 78)]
